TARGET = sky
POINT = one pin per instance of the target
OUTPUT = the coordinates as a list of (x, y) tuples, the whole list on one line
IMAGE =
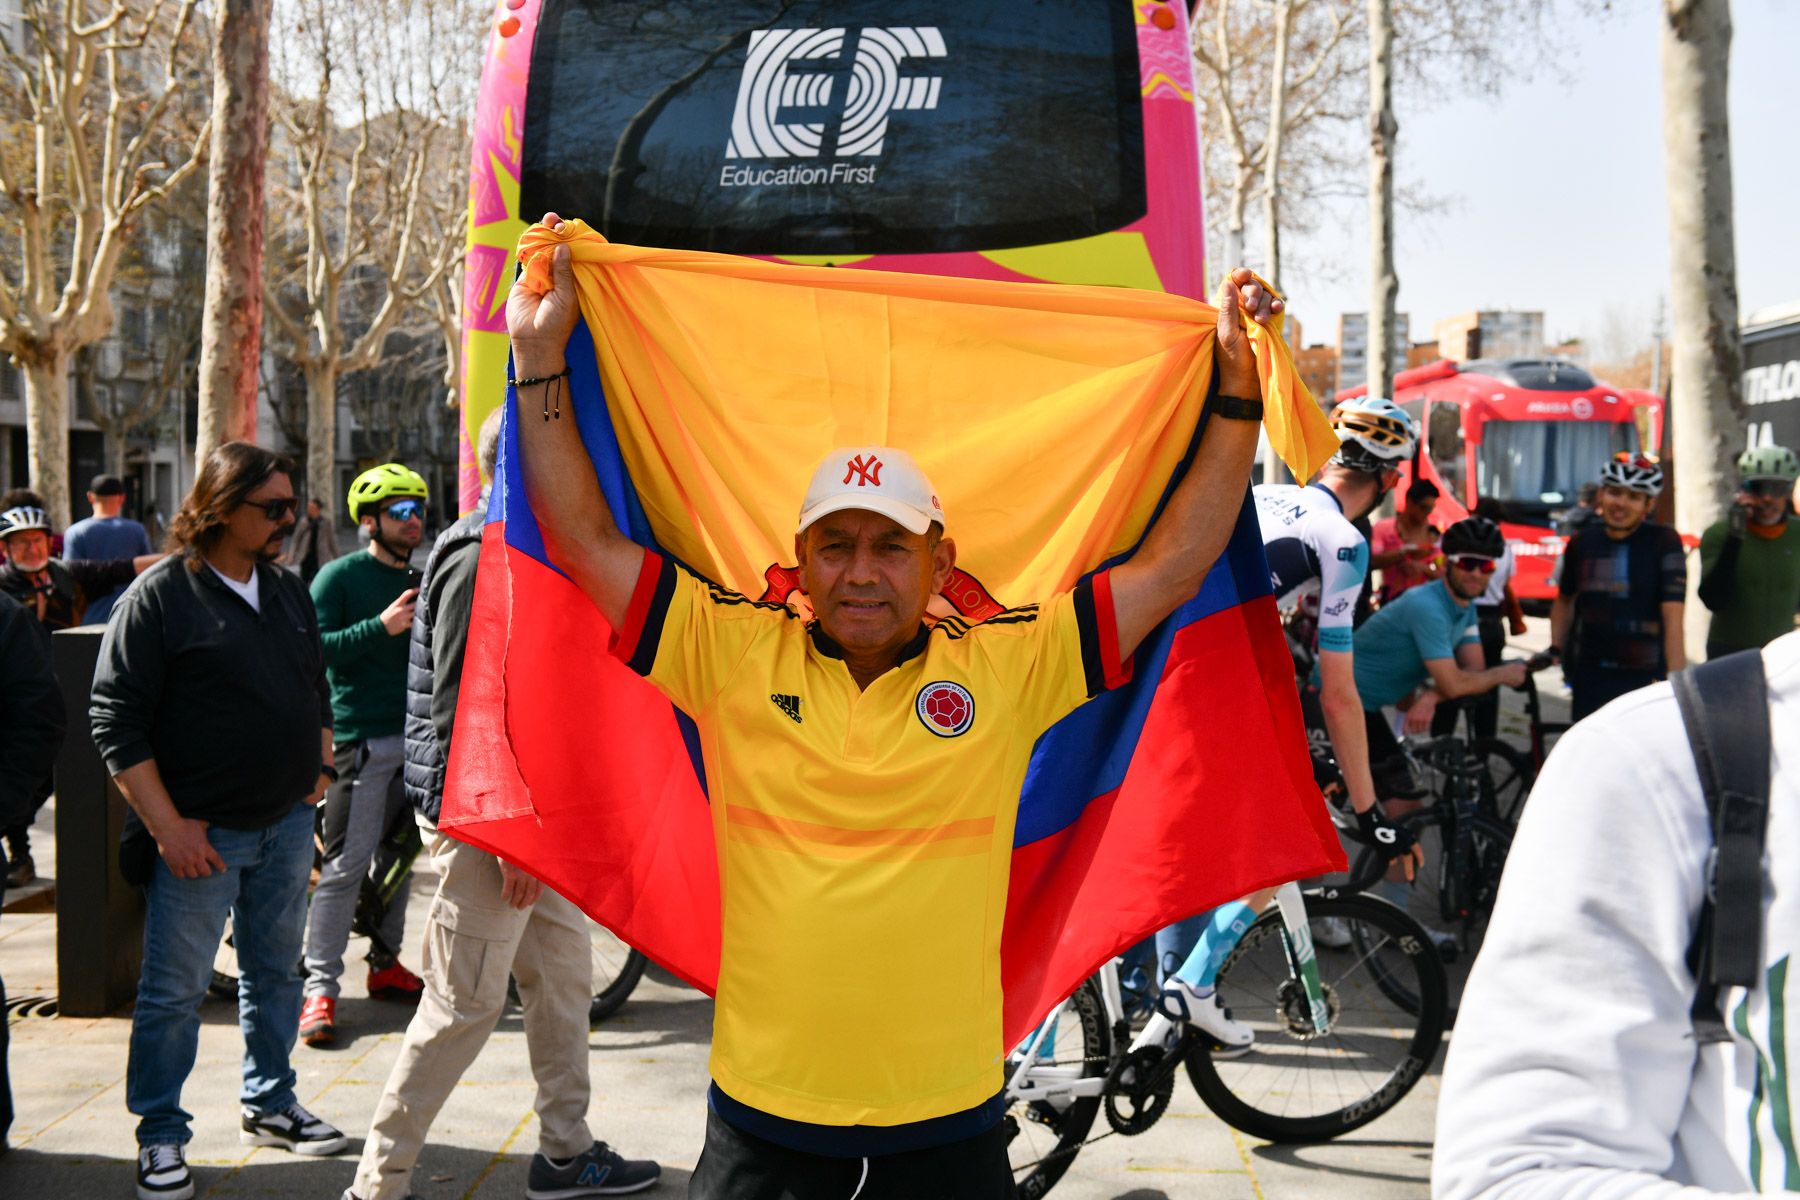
[(1556, 196)]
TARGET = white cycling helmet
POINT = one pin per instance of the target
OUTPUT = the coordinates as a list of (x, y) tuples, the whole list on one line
[(1374, 433), (18, 520), (1633, 472)]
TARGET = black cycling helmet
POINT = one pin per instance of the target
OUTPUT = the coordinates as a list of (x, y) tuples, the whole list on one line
[(1473, 535)]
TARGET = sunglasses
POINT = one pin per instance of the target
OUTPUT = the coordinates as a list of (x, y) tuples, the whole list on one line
[(1470, 562), (275, 510), (1767, 488), (406, 510)]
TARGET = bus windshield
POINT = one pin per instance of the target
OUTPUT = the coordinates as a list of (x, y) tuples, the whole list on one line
[(849, 127), (1532, 467)]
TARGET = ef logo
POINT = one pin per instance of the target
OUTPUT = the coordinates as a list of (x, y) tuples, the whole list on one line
[(827, 93), (866, 473)]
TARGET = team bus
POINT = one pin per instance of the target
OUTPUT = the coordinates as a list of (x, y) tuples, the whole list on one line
[(1053, 141), (1526, 432)]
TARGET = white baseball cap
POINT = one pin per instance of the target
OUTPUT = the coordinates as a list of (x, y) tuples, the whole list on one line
[(880, 479)]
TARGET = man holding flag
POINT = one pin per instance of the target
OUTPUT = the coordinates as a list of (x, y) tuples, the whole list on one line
[(863, 768)]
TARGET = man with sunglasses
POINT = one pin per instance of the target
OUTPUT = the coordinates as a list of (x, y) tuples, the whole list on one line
[(1617, 618), (1750, 562), (210, 710), (365, 604), (1425, 644)]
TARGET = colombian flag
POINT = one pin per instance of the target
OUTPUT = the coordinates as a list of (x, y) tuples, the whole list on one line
[(1053, 421)]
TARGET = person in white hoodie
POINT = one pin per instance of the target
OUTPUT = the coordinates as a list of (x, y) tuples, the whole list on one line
[(1576, 1070)]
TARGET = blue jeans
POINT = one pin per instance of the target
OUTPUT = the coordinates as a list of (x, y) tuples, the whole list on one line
[(263, 887)]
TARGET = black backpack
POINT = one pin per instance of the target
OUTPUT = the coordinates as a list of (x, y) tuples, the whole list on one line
[(1725, 707)]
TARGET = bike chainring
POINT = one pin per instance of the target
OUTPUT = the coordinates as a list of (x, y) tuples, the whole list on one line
[(1295, 1014), (1139, 1090)]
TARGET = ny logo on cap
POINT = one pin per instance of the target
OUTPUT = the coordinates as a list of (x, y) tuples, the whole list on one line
[(866, 473)]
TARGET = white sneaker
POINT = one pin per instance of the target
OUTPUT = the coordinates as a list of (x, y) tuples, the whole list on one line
[(162, 1174), (1181, 1001), (1333, 933)]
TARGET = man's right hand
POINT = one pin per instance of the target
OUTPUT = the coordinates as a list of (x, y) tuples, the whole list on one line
[(185, 847), (1513, 674), (540, 325), (397, 617)]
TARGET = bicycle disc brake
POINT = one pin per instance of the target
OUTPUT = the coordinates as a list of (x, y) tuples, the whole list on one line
[(1139, 1089)]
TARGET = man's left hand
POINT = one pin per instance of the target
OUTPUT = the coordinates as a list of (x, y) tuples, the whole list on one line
[(517, 888), (1240, 295), (319, 790)]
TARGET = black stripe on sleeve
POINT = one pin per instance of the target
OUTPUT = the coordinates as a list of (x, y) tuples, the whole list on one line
[(643, 656), (1087, 621)]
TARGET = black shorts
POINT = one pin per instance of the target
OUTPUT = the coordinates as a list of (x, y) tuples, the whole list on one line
[(739, 1166)]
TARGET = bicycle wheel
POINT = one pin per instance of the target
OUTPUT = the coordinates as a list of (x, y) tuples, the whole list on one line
[(1509, 774), (617, 970), (1299, 1085), (1043, 1136)]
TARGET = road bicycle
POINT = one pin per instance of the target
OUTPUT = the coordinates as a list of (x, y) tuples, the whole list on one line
[(1343, 1033), (1465, 843)]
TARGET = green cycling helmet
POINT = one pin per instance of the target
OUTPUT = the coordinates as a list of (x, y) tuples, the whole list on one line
[(1768, 462), (384, 483)]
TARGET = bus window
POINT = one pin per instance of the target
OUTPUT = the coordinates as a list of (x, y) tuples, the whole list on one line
[(1444, 443), (1535, 466), (854, 127)]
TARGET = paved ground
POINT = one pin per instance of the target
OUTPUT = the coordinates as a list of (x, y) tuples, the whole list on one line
[(73, 1135)]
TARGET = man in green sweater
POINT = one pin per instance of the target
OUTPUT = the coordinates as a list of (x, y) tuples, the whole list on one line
[(1750, 562), (365, 605)]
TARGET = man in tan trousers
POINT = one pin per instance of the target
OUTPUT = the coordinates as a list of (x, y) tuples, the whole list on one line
[(488, 920)]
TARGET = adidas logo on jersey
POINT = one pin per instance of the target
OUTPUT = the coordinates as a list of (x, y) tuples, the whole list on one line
[(788, 704)]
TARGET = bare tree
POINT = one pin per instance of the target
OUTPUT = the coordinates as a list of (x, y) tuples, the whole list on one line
[(132, 383), (368, 114), (231, 338), (1275, 86), (1706, 379), (99, 88)]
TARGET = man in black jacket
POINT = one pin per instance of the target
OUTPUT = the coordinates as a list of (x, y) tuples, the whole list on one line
[(211, 711), (31, 731)]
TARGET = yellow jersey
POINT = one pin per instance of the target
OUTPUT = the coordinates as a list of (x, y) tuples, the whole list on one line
[(864, 836)]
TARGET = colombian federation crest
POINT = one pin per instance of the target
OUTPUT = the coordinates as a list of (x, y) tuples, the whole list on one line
[(946, 708)]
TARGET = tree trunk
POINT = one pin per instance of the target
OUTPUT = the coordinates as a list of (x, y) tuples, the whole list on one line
[(47, 433), (321, 433), (1384, 283), (1284, 21), (231, 327), (1705, 377)]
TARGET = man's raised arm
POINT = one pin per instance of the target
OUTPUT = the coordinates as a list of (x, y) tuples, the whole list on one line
[(578, 529), (1171, 564)]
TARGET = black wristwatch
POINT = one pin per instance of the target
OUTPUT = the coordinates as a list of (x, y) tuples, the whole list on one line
[(1237, 408), (328, 771)]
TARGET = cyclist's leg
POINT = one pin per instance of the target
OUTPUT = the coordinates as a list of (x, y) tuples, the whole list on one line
[(554, 968), (392, 927), (1175, 942), (1225, 926), (471, 936), (355, 808)]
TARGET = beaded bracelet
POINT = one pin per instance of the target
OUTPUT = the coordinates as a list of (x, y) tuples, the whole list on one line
[(557, 379)]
